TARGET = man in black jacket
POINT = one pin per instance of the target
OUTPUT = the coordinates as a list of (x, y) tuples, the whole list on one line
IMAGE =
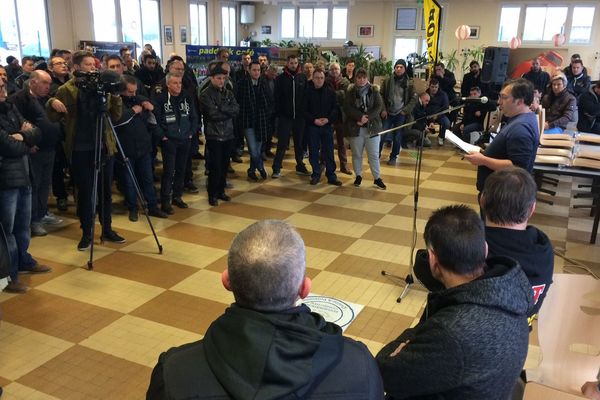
[(136, 139), (537, 76), (578, 80), (31, 102), (263, 346), (17, 137), (321, 110), (589, 110), (289, 106), (472, 79), (177, 118), (438, 102), (471, 342), (219, 108)]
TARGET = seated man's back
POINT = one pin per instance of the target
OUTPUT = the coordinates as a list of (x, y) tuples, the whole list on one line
[(260, 350), (472, 339)]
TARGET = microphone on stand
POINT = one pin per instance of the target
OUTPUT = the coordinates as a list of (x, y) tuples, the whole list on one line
[(482, 99)]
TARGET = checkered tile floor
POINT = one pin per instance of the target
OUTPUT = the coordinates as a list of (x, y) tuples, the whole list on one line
[(85, 335)]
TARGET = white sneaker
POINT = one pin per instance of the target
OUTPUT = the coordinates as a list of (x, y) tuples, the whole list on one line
[(440, 141), (38, 230), (51, 219)]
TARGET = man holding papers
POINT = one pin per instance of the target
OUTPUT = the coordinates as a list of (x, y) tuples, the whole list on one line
[(517, 141)]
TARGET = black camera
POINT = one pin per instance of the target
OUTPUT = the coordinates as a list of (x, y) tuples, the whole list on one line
[(102, 83)]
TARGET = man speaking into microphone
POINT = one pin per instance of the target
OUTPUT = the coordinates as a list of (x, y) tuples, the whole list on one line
[(517, 141)]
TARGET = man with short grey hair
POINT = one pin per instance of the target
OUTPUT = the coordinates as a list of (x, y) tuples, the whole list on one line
[(264, 346)]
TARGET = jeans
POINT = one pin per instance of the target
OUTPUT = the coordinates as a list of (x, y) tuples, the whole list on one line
[(83, 169), (358, 144), (321, 138), (393, 121), (217, 165), (340, 144), (42, 164), (142, 168), (254, 148), (59, 189), (444, 124), (285, 127), (467, 129), (15, 216), (175, 154)]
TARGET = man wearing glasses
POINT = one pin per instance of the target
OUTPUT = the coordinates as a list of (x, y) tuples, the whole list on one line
[(517, 141)]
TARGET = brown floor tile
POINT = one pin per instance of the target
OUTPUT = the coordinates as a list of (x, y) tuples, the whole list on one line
[(199, 235), (393, 236), (326, 241), (398, 180), (82, 373), (578, 236), (463, 180), (408, 211), (312, 272), (218, 266), (33, 280), (448, 196), (288, 193), (181, 311), (183, 213), (142, 269), (249, 211), (365, 268), (460, 164), (359, 193), (322, 210), (4, 381), (57, 316), (73, 231), (378, 325), (549, 220)]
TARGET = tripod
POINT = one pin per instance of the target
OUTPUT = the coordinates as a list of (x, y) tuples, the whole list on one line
[(409, 280), (101, 119)]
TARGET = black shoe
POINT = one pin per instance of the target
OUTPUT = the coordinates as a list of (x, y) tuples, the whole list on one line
[(252, 176), (112, 236), (269, 154), (379, 183), (237, 159), (213, 201), (263, 173), (84, 243), (301, 170), (358, 180), (158, 213), (314, 180), (167, 209), (62, 205), (177, 201), (133, 215), (198, 156), (337, 182), (224, 197), (191, 188)]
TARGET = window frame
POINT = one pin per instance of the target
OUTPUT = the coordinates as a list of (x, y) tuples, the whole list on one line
[(235, 25), (19, 35), (312, 6), (198, 3), (570, 5)]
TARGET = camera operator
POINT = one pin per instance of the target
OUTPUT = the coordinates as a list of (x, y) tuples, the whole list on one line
[(177, 118), (79, 106), (17, 137)]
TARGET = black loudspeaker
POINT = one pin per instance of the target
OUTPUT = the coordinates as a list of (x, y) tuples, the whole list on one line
[(495, 63)]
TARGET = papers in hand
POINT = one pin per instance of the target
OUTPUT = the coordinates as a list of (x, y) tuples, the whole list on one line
[(461, 144)]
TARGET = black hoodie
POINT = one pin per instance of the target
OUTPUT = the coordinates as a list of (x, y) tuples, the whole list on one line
[(248, 355)]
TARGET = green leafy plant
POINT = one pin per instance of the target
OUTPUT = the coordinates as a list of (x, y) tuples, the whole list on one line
[(380, 68), (287, 44), (308, 52), (268, 43), (469, 55), (450, 60)]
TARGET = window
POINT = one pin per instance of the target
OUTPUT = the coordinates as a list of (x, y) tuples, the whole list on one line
[(313, 22), (509, 23), (581, 27), (23, 28), (541, 23), (138, 21), (228, 21), (198, 25), (288, 22), (339, 23), (404, 46)]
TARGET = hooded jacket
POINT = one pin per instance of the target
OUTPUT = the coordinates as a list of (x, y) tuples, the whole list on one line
[(249, 355), (289, 94), (471, 342), (409, 98), (589, 112), (176, 116), (354, 109), (561, 109)]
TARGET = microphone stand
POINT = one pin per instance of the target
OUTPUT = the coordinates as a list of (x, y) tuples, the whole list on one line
[(409, 280)]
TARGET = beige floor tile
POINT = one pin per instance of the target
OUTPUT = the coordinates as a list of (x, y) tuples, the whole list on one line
[(380, 251), (356, 203), (64, 251), (102, 290), (472, 173), (450, 186), (23, 350), (16, 391), (401, 223), (435, 203), (205, 284), (221, 221), (292, 181), (319, 258), (138, 340), (329, 225), (141, 226), (261, 200), (176, 251)]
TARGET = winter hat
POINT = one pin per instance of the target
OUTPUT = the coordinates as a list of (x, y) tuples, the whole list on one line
[(401, 62)]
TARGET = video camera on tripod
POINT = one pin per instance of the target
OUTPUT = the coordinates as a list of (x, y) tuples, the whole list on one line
[(101, 83)]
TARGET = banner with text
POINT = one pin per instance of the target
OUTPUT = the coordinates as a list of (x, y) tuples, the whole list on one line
[(198, 57), (432, 14)]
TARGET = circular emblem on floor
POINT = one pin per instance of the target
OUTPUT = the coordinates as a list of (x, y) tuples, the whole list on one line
[(333, 310)]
